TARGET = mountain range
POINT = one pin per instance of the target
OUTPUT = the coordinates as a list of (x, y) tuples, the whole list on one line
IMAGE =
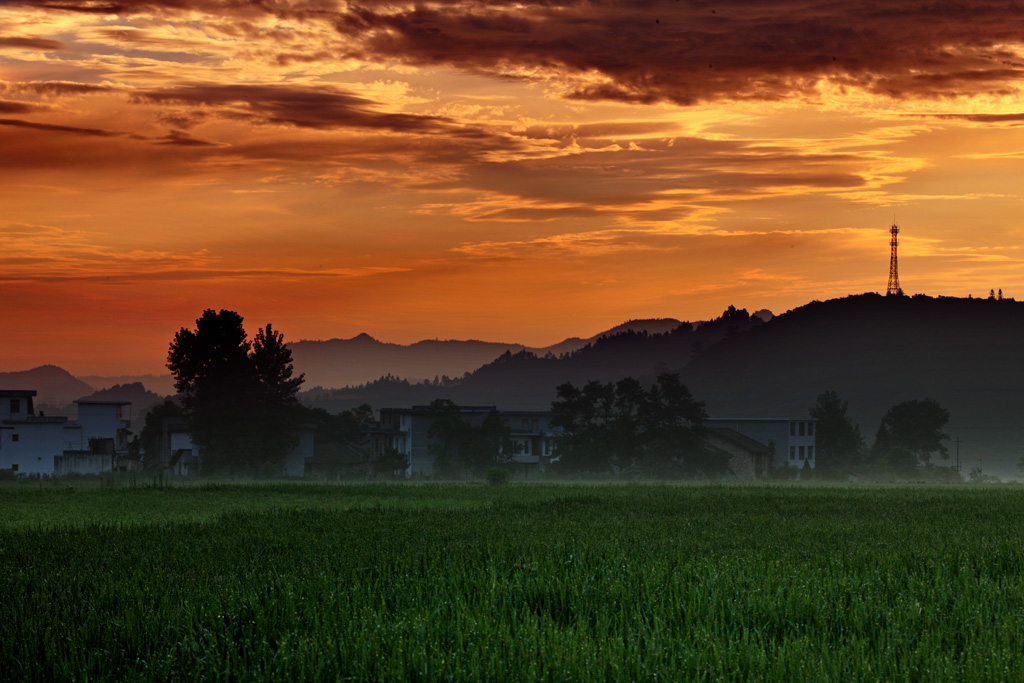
[(361, 359)]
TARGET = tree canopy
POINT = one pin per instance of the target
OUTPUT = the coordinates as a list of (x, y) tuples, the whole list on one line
[(621, 425), (458, 445), (840, 445), (909, 433), (239, 396)]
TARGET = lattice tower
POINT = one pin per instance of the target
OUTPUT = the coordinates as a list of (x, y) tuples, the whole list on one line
[(894, 274)]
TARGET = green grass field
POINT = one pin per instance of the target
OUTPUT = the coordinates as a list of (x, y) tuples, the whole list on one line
[(527, 582)]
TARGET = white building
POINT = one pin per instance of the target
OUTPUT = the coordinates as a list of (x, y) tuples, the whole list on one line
[(33, 444), (29, 443), (105, 420)]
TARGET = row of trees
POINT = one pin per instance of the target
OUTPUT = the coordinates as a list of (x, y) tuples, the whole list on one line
[(459, 446), (908, 437)]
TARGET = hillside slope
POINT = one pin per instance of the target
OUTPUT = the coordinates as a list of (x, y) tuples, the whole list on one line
[(875, 352)]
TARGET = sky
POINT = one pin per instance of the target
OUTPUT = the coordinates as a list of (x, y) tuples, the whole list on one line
[(510, 171)]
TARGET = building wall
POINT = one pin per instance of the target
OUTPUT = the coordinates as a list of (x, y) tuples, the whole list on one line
[(104, 421), (81, 462), (794, 439), (29, 446), (295, 461)]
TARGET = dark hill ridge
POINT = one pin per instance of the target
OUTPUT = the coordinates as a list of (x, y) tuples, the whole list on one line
[(361, 359), (54, 386), (877, 351), (525, 380)]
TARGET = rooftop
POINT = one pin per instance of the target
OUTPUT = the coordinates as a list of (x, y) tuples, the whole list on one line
[(17, 393)]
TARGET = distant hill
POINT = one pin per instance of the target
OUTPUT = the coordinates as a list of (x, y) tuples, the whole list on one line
[(53, 385), (135, 392), (361, 359), (876, 351), (159, 384), (524, 379)]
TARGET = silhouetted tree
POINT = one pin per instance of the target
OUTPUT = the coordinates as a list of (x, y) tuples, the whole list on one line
[(239, 397), (152, 431), (910, 432), (840, 446)]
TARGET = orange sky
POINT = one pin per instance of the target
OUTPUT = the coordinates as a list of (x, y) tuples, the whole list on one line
[(507, 171)]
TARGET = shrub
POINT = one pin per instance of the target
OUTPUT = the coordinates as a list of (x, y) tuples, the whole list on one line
[(497, 476)]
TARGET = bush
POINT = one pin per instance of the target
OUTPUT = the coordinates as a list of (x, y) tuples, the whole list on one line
[(497, 476)]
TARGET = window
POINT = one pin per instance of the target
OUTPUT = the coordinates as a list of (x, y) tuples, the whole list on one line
[(536, 426), (792, 452), (526, 448), (802, 425), (14, 467), (526, 424), (14, 437), (792, 428), (15, 405), (810, 452), (801, 452), (810, 429)]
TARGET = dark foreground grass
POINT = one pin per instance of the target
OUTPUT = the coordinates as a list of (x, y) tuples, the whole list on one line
[(431, 583)]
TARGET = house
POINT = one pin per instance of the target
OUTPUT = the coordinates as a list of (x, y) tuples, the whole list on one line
[(790, 441), (754, 446), (180, 456), (407, 431), (33, 444), (29, 443)]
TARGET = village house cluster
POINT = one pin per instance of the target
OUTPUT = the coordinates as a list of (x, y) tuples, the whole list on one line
[(98, 441)]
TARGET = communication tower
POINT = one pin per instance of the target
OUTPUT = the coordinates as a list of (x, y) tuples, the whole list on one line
[(894, 274)]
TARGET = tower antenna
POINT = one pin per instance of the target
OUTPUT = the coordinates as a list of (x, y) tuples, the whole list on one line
[(894, 274)]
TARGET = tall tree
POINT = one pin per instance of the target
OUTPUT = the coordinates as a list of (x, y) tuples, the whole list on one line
[(239, 398), (840, 446), (910, 432)]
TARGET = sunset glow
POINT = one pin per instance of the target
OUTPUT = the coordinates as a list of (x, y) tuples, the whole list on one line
[(517, 172)]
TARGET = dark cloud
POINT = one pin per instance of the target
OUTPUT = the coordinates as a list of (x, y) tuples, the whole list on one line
[(295, 106), (31, 43), (680, 51), (979, 118), (60, 88), (9, 107), (183, 139), (97, 132)]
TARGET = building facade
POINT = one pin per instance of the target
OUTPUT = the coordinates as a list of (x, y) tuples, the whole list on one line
[(407, 431), (791, 441)]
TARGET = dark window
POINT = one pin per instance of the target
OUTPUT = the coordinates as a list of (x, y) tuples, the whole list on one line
[(802, 428), (14, 467), (14, 437), (810, 429), (801, 452), (15, 405), (792, 428), (792, 452)]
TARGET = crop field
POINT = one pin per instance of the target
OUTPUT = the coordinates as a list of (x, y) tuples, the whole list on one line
[(428, 582)]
